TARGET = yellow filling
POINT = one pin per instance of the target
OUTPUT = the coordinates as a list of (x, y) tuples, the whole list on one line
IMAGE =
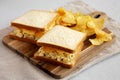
[(56, 54), (30, 34), (24, 33)]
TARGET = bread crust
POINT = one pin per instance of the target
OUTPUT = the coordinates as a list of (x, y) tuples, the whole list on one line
[(22, 39), (55, 62)]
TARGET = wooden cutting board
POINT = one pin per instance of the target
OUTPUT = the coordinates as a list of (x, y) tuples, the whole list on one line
[(90, 54), (27, 51)]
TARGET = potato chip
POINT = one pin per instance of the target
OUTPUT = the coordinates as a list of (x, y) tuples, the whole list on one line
[(85, 24), (61, 11), (100, 22), (101, 36), (66, 18)]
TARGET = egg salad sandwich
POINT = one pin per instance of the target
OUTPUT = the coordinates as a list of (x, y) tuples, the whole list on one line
[(60, 46), (32, 25)]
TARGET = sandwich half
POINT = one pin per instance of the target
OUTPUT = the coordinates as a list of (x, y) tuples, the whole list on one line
[(32, 25), (60, 46)]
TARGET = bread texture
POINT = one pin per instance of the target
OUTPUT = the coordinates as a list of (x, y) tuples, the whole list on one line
[(35, 20), (56, 60), (63, 38), (32, 25)]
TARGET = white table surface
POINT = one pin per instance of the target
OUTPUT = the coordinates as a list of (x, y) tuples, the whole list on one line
[(106, 70)]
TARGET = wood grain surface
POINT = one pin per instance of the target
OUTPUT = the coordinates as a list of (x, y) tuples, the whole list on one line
[(89, 56)]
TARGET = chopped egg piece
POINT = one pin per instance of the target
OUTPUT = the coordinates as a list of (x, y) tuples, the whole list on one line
[(56, 54), (24, 33)]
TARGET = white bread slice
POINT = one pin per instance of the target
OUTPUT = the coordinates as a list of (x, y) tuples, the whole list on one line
[(35, 19), (63, 38)]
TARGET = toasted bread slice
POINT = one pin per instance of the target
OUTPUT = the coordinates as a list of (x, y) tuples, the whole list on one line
[(63, 38)]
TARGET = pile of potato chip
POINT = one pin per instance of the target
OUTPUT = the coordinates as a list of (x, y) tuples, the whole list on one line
[(84, 23)]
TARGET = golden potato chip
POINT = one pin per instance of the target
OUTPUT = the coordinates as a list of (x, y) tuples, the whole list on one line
[(69, 18), (99, 22), (66, 18), (101, 36), (85, 24), (61, 11), (77, 14)]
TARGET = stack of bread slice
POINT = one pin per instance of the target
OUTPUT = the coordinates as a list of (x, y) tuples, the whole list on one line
[(61, 46), (32, 25)]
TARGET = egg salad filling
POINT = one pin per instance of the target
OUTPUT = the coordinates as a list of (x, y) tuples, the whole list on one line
[(24, 33), (56, 54)]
